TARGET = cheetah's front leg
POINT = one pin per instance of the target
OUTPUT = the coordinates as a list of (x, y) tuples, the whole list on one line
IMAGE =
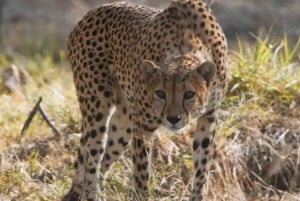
[(202, 147), (86, 179), (141, 155)]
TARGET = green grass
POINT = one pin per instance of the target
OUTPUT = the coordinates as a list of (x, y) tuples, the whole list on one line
[(264, 80), (264, 88), (265, 73)]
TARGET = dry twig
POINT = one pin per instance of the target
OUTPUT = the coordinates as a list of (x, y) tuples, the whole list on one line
[(38, 108)]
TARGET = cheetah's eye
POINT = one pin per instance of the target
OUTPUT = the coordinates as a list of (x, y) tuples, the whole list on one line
[(189, 94), (160, 94)]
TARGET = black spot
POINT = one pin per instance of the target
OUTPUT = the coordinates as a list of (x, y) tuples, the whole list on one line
[(210, 112), (81, 99), (102, 129), (211, 119), (104, 74), (107, 157), (92, 171), (101, 88), (204, 161), (80, 158), (122, 141), (195, 145), (110, 143), (138, 142), (143, 153), (205, 143), (107, 94), (198, 173), (98, 103), (99, 116), (145, 165), (136, 179), (101, 151), (139, 167), (86, 137), (82, 140), (195, 17), (93, 98), (115, 153), (76, 165), (90, 54), (94, 33), (196, 163), (140, 184), (128, 130), (89, 118), (93, 133), (147, 175), (202, 25), (93, 152), (113, 128)]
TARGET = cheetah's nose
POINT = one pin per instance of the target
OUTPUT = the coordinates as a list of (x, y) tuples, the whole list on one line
[(174, 119)]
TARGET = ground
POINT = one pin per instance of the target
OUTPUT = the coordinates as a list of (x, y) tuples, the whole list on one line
[(257, 143)]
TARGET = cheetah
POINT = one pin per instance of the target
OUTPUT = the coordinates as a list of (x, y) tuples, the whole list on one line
[(135, 69)]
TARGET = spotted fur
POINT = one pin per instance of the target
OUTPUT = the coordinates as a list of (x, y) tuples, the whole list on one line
[(137, 68)]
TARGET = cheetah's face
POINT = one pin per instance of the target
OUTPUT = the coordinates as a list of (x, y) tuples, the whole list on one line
[(178, 97)]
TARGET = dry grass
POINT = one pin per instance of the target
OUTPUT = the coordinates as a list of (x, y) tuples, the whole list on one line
[(257, 145)]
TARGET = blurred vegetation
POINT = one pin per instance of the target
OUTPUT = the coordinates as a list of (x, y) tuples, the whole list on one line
[(49, 46)]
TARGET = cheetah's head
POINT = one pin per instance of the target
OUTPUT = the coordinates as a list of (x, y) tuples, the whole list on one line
[(178, 90)]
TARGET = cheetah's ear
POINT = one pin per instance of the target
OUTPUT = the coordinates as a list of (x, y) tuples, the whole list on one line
[(207, 70), (148, 67)]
